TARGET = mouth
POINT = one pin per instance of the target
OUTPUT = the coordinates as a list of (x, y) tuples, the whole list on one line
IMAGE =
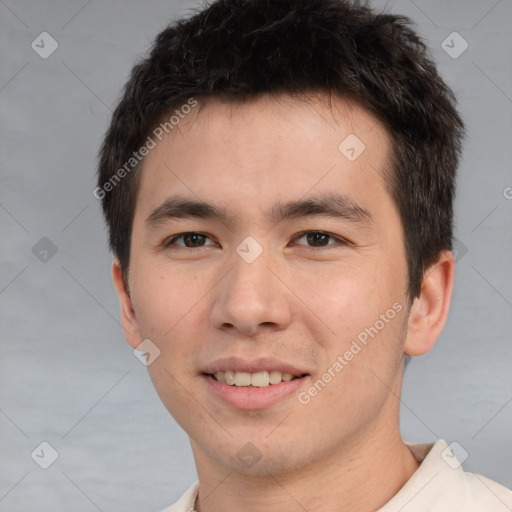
[(253, 384), (257, 390), (261, 379)]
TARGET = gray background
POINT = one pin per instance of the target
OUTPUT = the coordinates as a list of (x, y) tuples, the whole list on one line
[(67, 376)]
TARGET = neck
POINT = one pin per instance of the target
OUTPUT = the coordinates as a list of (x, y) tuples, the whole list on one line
[(360, 476)]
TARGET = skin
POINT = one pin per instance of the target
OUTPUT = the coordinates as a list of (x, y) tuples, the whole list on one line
[(296, 302)]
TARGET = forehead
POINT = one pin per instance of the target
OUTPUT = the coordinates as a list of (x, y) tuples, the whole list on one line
[(245, 153)]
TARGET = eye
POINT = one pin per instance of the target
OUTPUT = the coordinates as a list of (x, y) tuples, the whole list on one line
[(190, 239), (320, 239)]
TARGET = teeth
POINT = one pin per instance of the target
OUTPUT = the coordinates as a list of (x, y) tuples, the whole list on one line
[(230, 378), (260, 379), (257, 380), (242, 379), (275, 377)]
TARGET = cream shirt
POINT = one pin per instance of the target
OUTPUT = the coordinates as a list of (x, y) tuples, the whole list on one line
[(438, 485)]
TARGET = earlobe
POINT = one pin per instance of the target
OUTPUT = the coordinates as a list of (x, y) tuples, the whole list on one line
[(429, 310), (128, 318)]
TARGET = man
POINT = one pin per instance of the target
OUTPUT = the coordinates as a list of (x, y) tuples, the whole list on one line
[(278, 181)]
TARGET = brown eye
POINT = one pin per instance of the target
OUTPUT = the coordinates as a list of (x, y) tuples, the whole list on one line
[(319, 238), (191, 239)]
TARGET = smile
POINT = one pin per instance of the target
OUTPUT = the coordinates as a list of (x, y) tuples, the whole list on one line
[(256, 380)]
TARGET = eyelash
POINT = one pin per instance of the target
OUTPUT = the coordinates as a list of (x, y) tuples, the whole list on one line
[(171, 241)]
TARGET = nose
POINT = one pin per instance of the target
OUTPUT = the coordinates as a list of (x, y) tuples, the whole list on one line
[(252, 298)]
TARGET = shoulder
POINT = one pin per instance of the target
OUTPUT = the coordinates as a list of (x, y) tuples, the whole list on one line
[(186, 502), (485, 492), (440, 484)]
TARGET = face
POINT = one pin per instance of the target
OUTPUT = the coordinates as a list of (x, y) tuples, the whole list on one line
[(297, 266)]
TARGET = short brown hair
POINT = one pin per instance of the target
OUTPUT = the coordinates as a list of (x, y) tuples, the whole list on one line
[(244, 48)]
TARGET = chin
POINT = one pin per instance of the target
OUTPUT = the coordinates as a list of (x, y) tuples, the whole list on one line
[(261, 459)]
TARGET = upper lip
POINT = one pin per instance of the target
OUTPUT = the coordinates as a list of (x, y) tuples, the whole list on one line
[(260, 364)]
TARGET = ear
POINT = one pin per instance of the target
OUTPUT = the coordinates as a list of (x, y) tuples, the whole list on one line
[(429, 310), (128, 319)]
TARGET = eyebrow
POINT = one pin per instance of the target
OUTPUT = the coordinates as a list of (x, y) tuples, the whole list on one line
[(328, 205)]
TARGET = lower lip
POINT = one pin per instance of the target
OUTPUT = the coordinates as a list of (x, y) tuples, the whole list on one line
[(251, 399)]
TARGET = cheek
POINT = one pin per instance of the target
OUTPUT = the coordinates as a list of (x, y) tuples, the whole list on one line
[(343, 297), (163, 299), (359, 314)]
